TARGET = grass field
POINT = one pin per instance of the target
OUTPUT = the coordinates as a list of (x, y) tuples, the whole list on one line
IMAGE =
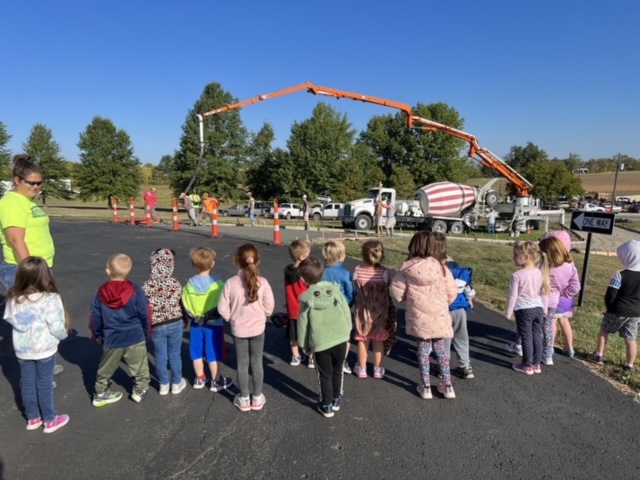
[(492, 267), (628, 183)]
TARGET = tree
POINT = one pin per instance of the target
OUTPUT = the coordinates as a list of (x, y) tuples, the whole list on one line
[(573, 163), (260, 159), (519, 158), (225, 150), (162, 172), (146, 173), (358, 173), (428, 156), (402, 180), (107, 163), (552, 179), (5, 154), (45, 151), (318, 147), (276, 177)]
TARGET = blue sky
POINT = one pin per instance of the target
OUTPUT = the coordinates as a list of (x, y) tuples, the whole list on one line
[(562, 76)]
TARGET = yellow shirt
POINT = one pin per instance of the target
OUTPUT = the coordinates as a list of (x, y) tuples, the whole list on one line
[(16, 210)]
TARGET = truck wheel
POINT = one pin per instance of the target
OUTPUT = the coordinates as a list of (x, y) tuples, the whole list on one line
[(288, 217), (439, 226), (317, 216), (363, 222), (535, 224), (225, 213), (344, 224), (491, 198), (457, 228)]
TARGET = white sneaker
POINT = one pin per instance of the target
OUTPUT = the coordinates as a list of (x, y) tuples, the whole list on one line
[(515, 348), (548, 361), (164, 389), (425, 392), (176, 388)]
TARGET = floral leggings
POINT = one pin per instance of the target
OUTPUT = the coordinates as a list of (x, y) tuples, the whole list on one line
[(424, 350), (547, 349)]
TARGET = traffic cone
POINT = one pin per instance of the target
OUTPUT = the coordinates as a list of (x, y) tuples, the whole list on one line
[(114, 203), (277, 239), (147, 212), (214, 220), (132, 211), (176, 223)]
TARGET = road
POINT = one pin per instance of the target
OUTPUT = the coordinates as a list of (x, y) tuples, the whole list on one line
[(565, 423)]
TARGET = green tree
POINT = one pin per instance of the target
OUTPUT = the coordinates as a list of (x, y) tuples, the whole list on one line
[(358, 173), (260, 159), (275, 177), (107, 163), (162, 172), (552, 179), (319, 146), (519, 158), (5, 154), (573, 163), (402, 180), (45, 151), (225, 149), (429, 156), (146, 173)]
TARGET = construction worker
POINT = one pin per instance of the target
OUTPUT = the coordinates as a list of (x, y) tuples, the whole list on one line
[(188, 206), (196, 201)]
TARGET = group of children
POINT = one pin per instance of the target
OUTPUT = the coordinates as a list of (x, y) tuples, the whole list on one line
[(320, 297)]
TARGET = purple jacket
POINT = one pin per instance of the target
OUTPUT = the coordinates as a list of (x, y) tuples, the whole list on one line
[(565, 282)]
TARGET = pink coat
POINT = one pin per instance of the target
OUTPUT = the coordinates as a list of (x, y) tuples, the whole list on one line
[(428, 290), (247, 319)]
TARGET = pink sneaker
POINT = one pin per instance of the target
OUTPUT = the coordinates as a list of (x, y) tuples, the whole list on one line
[(537, 369), (360, 372), (258, 402), (378, 372), (34, 423), (59, 422), (520, 367)]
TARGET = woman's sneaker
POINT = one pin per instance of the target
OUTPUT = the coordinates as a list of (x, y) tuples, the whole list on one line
[(360, 372), (59, 422), (378, 372), (105, 398), (522, 368), (176, 388), (536, 368), (257, 402), (242, 403), (425, 392), (34, 423), (326, 410), (447, 391), (164, 389)]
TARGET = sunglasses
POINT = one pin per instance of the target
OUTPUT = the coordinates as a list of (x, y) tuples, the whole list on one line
[(33, 184)]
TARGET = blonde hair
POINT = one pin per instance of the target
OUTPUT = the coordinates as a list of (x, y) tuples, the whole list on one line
[(202, 258), (119, 266), (556, 251), (248, 259), (299, 249), (372, 252), (333, 251), (531, 251)]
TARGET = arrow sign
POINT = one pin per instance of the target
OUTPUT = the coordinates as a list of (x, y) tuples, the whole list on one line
[(596, 222), (324, 199)]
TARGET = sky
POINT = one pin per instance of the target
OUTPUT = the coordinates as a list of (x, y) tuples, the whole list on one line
[(564, 75)]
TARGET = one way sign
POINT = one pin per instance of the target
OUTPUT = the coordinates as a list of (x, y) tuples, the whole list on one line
[(596, 222)]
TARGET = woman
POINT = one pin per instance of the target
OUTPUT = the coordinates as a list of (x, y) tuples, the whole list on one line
[(24, 226)]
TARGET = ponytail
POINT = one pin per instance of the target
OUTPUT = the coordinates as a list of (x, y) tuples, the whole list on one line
[(544, 268), (248, 259)]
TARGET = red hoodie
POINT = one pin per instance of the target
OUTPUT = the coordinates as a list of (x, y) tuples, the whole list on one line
[(293, 287)]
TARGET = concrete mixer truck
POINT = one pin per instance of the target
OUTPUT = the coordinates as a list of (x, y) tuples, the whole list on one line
[(444, 207)]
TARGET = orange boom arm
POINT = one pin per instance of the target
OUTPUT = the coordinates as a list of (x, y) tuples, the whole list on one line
[(487, 159)]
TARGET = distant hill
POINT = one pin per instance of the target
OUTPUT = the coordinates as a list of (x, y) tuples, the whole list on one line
[(628, 183)]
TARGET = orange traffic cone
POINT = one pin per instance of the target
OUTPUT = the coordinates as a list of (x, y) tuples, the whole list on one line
[(214, 220), (176, 223), (277, 239)]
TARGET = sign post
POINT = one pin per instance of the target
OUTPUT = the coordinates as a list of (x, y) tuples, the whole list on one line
[(591, 222)]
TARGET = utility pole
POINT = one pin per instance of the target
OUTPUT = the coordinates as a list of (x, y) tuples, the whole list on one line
[(615, 180)]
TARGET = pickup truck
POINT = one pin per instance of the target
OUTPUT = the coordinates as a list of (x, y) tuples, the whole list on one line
[(288, 211), (590, 207)]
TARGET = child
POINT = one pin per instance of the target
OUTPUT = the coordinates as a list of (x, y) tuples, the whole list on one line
[(164, 292), (372, 308), (35, 310), (293, 287), (323, 328), (428, 288), (623, 305), (565, 284), (246, 302), (462, 303), (200, 298), (120, 320), (528, 290), (334, 254)]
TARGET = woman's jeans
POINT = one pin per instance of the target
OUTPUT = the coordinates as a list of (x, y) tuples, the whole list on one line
[(7, 275), (167, 345), (36, 386)]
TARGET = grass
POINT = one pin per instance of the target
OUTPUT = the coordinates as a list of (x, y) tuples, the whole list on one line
[(492, 267)]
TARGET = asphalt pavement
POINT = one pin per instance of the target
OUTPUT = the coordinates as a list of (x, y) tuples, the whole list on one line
[(565, 423)]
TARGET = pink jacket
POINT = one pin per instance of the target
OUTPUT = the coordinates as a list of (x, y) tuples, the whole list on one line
[(247, 319), (428, 289)]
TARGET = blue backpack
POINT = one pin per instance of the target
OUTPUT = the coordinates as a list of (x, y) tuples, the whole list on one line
[(463, 277)]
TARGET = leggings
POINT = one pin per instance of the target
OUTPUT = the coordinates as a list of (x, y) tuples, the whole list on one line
[(424, 350), (529, 322), (249, 351), (547, 349)]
